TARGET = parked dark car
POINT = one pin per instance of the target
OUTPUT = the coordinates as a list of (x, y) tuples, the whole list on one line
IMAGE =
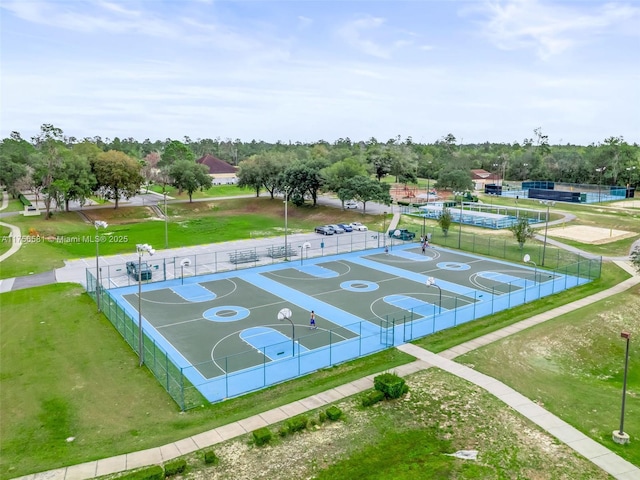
[(145, 270), (402, 234), (345, 227), (324, 230)]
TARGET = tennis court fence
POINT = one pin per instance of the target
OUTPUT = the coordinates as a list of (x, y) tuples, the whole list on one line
[(250, 370)]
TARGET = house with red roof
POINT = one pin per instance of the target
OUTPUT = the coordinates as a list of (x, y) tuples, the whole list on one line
[(482, 178), (220, 171)]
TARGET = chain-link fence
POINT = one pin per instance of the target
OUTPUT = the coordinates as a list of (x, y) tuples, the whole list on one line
[(243, 372)]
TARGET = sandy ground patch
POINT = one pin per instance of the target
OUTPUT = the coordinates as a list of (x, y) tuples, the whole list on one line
[(592, 235)]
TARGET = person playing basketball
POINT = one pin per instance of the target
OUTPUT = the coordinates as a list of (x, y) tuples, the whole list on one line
[(312, 320)]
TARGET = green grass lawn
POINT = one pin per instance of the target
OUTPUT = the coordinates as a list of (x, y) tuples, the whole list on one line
[(5, 241), (66, 373), (13, 205), (574, 365), (214, 191), (68, 236)]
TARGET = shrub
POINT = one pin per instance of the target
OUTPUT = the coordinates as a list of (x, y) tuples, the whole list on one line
[(296, 424), (262, 436), (210, 457), (150, 473), (322, 417), (391, 385), (175, 467), (372, 397), (282, 431), (334, 413)]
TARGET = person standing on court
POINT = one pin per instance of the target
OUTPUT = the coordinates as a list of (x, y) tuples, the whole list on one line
[(312, 320)]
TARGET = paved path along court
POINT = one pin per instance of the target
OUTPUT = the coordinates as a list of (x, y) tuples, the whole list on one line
[(585, 446), (593, 451)]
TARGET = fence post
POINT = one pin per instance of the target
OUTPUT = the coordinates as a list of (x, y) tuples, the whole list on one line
[(455, 311), (182, 390), (330, 349), (493, 296), (166, 369), (475, 300)]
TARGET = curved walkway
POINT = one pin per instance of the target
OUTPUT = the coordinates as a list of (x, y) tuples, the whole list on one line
[(601, 456), (15, 238)]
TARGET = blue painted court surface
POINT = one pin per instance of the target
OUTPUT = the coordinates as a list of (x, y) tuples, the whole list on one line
[(220, 333)]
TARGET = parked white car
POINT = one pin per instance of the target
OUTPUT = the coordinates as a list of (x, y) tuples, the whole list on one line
[(350, 204), (359, 227)]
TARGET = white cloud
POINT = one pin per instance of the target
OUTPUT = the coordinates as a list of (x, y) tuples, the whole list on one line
[(304, 22), (354, 33), (238, 71), (114, 7), (549, 28)]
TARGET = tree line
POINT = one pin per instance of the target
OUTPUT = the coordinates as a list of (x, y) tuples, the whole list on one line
[(63, 169)]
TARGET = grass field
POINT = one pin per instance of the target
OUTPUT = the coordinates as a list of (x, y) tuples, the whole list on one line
[(5, 243), (59, 387), (66, 373), (215, 191), (407, 439), (574, 365), (68, 236)]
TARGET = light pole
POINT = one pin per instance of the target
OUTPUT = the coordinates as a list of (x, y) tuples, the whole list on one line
[(431, 282), (286, 227), (620, 436), (460, 226), (142, 248), (285, 314), (428, 175), (527, 259), (98, 224), (166, 228), (384, 229), (600, 170), (546, 228)]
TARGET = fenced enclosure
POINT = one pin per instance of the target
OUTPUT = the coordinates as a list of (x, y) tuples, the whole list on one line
[(473, 214), (191, 384)]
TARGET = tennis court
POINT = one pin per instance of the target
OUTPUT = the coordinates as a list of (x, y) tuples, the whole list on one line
[(223, 335)]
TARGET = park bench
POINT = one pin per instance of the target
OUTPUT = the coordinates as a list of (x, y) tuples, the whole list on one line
[(245, 256), (280, 252)]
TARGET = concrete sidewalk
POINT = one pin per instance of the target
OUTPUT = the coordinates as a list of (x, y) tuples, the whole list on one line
[(585, 446), (601, 456)]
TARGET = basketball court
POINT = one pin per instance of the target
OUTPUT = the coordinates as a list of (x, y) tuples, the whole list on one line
[(227, 333)]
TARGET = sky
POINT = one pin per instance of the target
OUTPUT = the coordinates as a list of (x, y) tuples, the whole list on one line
[(305, 71)]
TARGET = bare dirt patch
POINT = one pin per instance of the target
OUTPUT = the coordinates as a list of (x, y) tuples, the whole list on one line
[(591, 235)]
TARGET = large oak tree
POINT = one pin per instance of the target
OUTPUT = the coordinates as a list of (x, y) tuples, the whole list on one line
[(117, 174)]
